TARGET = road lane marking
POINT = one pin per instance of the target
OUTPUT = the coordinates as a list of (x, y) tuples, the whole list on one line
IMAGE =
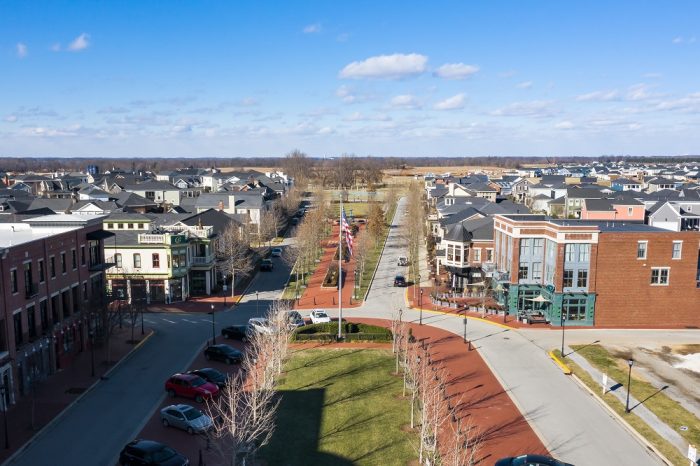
[(166, 320)]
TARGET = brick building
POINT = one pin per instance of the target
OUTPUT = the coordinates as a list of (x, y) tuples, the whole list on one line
[(614, 274), (51, 267)]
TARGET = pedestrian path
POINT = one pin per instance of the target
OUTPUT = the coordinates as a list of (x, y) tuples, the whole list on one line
[(620, 392)]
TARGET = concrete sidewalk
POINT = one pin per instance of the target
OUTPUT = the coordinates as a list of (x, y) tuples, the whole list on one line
[(52, 396), (618, 390)]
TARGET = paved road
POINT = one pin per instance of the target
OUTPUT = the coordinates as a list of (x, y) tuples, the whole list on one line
[(94, 431), (572, 424)]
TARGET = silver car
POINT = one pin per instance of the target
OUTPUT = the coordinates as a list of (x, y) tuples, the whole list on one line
[(185, 417)]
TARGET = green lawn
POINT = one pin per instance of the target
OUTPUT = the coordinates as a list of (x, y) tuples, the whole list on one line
[(665, 408), (339, 407)]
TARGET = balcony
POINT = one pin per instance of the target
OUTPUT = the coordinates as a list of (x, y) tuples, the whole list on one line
[(165, 238), (196, 231), (203, 260), (31, 290)]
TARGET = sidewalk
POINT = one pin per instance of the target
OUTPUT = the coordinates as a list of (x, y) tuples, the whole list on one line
[(620, 392), (63, 388), (221, 300), (317, 296), (479, 396)]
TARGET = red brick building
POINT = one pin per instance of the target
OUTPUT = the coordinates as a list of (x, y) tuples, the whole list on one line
[(612, 274), (51, 267)]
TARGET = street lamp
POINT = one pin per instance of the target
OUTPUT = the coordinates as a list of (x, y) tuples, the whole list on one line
[(562, 332), (3, 392), (400, 315), (213, 326), (421, 306), (630, 363), (464, 321), (257, 303)]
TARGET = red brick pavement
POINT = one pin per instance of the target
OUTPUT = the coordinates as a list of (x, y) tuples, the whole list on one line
[(317, 296), (61, 389)]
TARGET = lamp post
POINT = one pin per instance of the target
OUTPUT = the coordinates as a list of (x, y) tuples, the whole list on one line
[(213, 326), (630, 363), (400, 315), (464, 321), (257, 303), (562, 332), (421, 306), (3, 392)]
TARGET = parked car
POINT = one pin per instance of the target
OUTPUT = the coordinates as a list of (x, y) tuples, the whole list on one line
[(399, 280), (295, 319), (212, 375), (260, 324), (190, 386), (402, 261), (276, 252), (224, 353), (266, 265), (530, 460), (318, 316), (149, 452), (185, 417), (237, 332)]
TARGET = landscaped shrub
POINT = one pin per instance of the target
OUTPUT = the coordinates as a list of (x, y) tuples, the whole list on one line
[(331, 278), (351, 330)]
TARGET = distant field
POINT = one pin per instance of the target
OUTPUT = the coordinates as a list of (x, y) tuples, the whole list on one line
[(453, 169)]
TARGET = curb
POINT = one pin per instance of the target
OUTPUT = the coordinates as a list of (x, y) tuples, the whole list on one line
[(621, 420), (562, 365), (379, 260), (80, 397)]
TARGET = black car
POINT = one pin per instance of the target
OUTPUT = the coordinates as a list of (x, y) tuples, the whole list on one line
[(149, 452), (236, 332), (266, 265), (212, 375), (530, 460), (399, 280), (225, 353)]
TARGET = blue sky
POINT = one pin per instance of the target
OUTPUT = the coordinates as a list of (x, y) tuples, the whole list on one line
[(231, 78)]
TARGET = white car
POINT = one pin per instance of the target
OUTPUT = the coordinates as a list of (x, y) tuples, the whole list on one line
[(294, 319), (319, 317), (276, 252), (260, 325), (185, 417)]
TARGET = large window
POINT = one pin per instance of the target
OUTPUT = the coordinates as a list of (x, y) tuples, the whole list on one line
[(450, 253), (42, 272), (489, 255), (13, 281), (82, 255), (574, 309), (525, 247), (582, 279), (63, 262), (537, 271), (538, 247), (118, 260), (74, 259), (156, 260), (677, 248), (31, 321), (137, 260), (458, 254), (569, 253), (584, 252), (523, 272), (659, 275), (52, 266), (641, 250), (19, 337), (568, 278), (477, 255)]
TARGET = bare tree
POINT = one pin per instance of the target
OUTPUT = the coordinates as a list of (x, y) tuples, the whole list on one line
[(299, 167), (233, 254), (376, 222), (463, 445)]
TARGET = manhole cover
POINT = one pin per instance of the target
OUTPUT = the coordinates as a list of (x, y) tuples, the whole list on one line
[(683, 428), (75, 390)]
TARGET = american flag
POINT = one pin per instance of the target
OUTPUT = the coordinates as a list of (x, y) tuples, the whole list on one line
[(346, 229)]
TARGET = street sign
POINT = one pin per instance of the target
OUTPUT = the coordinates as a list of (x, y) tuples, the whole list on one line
[(605, 383)]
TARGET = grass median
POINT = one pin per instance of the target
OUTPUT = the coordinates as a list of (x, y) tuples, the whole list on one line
[(340, 407), (666, 409)]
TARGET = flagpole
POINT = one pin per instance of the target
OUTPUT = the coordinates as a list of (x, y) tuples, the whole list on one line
[(340, 267)]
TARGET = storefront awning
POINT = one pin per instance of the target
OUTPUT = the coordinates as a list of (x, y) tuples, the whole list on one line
[(539, 299)]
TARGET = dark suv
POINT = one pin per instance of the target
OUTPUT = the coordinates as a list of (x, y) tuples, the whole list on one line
[(148, 452), (399, 280), (266, 265), (224, 353), (237, 332)]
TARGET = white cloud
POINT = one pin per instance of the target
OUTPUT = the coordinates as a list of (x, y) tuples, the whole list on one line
[(507, 74), (357, 116), (452, 103), (564, 125), (599, 96), (524, 85), (535, 108), (394, 66), (312, 28), (404, 101), (639, 92), (688, 104), (456, 71), (684, 40), (677, 40), (346, 94), (55, 47), (80, 43), (248, 102), (10, 118), (22, 50)]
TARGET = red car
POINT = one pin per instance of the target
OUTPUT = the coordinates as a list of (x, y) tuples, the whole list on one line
[(190, 386)]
